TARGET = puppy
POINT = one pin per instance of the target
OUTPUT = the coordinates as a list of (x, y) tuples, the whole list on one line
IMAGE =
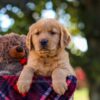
[(46, 42)]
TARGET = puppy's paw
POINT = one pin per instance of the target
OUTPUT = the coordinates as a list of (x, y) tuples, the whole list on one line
[(59, 86), (23, 86)]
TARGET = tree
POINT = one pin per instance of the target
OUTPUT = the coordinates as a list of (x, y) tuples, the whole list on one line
[(89, 13)]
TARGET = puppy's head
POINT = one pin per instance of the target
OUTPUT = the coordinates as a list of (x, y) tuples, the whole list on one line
[(47, 35)]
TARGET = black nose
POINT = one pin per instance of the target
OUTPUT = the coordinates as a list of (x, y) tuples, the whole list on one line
[(19, 49), (44, 42)]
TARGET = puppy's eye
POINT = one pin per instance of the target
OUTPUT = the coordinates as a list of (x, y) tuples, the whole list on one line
[(37, 33), (52, 33)]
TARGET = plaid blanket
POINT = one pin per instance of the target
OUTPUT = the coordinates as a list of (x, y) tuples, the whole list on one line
[(41, 89)]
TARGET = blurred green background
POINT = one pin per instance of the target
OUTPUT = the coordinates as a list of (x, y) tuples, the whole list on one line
[(81, 17)]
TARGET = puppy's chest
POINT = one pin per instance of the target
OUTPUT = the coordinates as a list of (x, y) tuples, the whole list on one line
[(47, 63), (46, 66)]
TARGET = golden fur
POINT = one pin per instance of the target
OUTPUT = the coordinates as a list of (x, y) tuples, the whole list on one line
[(52, 61)]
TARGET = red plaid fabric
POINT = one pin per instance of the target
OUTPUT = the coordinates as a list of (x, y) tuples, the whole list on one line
[(41, 89)]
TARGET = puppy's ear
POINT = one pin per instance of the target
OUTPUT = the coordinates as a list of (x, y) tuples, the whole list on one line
[(29, 43), (65, 37)]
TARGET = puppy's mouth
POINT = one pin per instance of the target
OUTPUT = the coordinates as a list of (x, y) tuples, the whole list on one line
[(44, 48), (46, 51)]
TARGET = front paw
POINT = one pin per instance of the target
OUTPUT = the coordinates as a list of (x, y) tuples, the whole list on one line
[(59, 86), (23, 85)]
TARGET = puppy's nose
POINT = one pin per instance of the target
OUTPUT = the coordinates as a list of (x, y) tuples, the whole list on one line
[(44, 42), (19, 49)]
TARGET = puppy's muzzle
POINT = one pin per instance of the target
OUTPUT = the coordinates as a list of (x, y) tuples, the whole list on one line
[(44, 43)]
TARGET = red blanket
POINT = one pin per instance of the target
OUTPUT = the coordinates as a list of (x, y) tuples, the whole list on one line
[(40, 90)]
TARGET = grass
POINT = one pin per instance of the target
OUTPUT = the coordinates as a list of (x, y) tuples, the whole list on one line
[(81, 94)]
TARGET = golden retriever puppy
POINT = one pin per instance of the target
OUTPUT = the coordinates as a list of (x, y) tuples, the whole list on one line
[(46, 42)]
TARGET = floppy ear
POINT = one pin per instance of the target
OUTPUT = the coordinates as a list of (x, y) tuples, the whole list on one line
[(65, 37), (29, 43)]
